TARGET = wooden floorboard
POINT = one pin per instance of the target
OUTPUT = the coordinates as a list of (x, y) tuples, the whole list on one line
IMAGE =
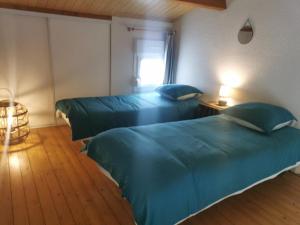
[(105, 187), (6, 207), (34, 208), (20, 211), (53, 152), (47, 181)]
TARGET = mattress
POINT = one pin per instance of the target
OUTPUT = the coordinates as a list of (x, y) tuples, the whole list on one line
[(173, 170), (90, 116)]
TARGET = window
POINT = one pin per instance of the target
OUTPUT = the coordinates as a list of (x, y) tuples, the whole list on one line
[(149, 63), (151, 71)]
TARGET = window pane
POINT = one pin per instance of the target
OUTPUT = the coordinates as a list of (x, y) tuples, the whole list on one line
[(151, 71)]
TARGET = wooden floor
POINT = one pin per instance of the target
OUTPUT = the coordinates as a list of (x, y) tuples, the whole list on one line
[(47, 181)]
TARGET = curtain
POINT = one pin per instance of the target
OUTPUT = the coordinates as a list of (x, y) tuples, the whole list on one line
[(169, 59)]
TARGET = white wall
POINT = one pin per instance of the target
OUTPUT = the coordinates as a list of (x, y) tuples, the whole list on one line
[(80, 57), (44, 58), (25, 65), (122, 49), (40, 69), (267, 69)]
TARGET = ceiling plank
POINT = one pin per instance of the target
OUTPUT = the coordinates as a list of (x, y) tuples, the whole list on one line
[(165, 10), (215, 4), (54, 11)]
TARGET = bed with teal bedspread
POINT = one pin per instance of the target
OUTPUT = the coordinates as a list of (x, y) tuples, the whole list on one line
[(90, 116), (170, 171)]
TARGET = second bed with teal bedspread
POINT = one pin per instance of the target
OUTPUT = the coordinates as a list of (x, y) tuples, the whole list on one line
[(170, 171), (90, 116)]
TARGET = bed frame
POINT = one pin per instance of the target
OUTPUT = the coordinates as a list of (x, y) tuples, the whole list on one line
[(61, 115), (64, 120)]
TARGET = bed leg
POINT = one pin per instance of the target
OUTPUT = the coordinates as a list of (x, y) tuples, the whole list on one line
[(296, 170)]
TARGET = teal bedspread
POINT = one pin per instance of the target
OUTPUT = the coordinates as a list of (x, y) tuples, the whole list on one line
[(90, 116), (170, 171)]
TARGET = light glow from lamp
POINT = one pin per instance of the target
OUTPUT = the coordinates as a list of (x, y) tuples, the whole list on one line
[(232, 76), (7, 123), (14, 124), (14, 161), (231, 79), (224, 91), (10, 119), (224, 94)]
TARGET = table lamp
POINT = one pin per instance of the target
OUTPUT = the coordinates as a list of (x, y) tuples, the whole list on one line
[(224, 95)]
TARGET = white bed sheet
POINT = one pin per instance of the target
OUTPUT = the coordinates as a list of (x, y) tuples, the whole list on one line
[(60, 114)]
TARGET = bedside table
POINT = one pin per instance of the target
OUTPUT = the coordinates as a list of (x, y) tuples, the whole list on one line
[(209, 109)]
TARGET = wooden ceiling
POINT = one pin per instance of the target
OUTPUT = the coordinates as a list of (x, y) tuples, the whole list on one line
[(151, 9)]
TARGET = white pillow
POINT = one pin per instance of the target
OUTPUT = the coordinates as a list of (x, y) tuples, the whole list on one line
[(242, 123), (285, 124), (253, 127), (185, 97)]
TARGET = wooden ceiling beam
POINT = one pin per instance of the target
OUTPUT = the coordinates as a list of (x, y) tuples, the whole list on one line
[(54, 11), (214, 4)]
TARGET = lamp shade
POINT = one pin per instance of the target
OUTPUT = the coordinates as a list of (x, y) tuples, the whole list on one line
[(224, 91), (224, 94), (14, 123)]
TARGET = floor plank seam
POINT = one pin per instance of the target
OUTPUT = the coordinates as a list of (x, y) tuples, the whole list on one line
[(10, 187), (57, 180), (94, 184)]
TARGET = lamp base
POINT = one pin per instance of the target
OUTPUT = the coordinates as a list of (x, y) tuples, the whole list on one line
[(222, 103)]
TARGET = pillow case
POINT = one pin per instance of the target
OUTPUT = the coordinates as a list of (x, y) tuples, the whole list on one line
[(260, 116), (178, 91)]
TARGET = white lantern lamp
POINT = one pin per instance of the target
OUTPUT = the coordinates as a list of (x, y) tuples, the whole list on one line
[(14, 123)]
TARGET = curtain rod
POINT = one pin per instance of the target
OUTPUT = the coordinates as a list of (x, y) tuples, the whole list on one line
[(132, 29)]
